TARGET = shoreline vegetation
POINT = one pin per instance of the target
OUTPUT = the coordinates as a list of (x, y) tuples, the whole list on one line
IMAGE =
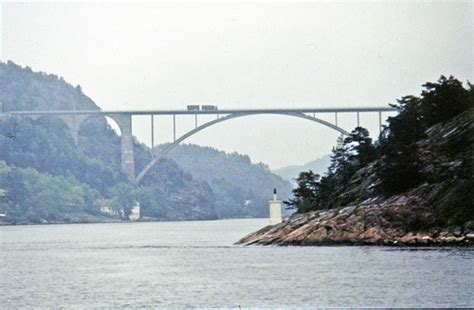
[(412, 187)]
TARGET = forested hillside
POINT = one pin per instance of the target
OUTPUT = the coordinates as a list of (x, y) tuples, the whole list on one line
[(45, 177), (241, 188)]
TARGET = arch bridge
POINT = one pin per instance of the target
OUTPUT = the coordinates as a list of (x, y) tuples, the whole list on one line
[(123, 119)]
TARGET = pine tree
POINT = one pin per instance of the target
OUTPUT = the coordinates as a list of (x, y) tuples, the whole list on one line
[(306, 193), (443, 100)]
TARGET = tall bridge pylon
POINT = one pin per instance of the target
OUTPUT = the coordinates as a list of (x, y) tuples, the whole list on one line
[(75, 118)]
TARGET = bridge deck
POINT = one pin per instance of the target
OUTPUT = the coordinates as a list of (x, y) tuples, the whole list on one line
[(226, 111)]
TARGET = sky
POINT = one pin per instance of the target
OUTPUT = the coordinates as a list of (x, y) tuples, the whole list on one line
[(166, 55)]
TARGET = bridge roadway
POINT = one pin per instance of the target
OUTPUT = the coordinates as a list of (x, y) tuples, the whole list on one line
[(188, 112), (123, 119)]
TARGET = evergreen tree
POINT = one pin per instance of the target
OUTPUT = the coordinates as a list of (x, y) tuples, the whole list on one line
[(400, 169), (361, 150), (444, 100), (350, 154), (306, 194)]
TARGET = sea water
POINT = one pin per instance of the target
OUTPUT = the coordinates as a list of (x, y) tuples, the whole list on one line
[(196, 264)]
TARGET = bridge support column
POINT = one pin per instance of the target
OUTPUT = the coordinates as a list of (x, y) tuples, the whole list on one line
[(124, 121)]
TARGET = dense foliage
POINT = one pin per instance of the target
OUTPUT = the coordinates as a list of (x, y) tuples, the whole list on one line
[(350, 154), (33, 196), (402, 160), (23, 89), (439, 102)]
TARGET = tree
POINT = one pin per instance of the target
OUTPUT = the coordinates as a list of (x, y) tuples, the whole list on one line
[(440, 101), (444, 99), (349, 155), (306, 194), (360, 147)]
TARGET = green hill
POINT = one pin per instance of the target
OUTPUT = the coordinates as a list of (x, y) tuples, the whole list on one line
[(38, 155), (241, 188)]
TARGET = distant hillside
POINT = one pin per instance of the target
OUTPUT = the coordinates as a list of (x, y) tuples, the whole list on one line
[(42, 169), (46, 177), (23, 89), (318, 166), (241, 188)]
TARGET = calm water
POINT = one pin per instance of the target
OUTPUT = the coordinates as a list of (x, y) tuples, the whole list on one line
[(196, 264)]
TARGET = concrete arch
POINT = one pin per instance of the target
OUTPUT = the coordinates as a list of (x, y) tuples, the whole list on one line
[(109, 122), (75, 122), (123, 122), (170, 146)]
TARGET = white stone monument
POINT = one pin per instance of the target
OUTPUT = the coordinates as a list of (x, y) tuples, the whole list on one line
[(275, 207)]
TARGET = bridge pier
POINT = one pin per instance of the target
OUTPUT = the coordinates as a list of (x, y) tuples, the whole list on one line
[(124, 121)]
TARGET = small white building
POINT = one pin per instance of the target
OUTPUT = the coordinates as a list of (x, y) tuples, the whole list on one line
[(135, 212), (275, 207), (106, 208)]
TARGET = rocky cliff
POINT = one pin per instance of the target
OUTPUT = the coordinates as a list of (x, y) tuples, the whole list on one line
[(433, 213)]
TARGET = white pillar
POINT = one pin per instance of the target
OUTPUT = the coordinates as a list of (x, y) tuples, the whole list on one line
[(275, 208)]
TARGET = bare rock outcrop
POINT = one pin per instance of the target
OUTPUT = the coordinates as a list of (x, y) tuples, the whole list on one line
[(391, 223)]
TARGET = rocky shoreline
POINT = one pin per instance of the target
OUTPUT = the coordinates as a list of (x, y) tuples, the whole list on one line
[(387, 224)]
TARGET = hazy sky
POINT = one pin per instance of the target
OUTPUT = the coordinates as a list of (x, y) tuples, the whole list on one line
[(245, 55)]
